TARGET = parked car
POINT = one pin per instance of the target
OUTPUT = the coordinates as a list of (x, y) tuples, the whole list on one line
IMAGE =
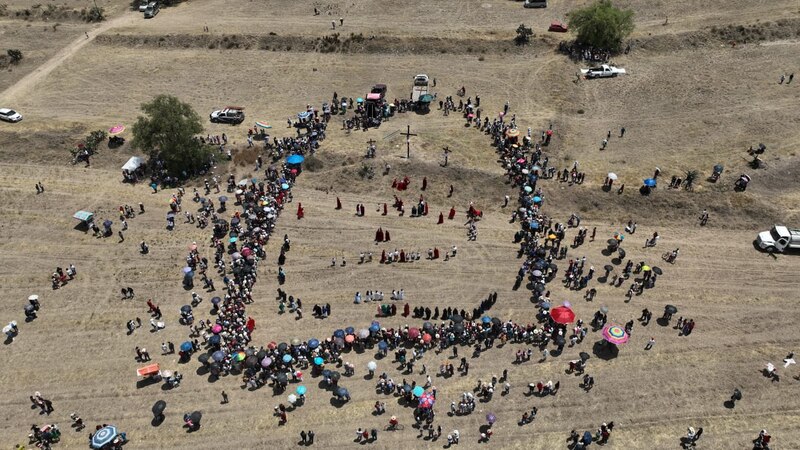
[(557, 27), (232, 114), (778, 239), (151, 10), (143, 5), (604, 71), (535, 4), (9, 115)]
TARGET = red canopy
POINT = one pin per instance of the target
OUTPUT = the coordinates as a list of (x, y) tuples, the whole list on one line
[(562, 315)]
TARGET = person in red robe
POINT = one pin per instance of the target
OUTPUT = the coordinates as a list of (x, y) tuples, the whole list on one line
[(441, 219), (402, 255), (424, 183), (394, 183), (385, 209), (383, 256), (435, 253), (406, 310), (425, 210), (338, 203), (452, 213), (386, 237), (300, 211), (379, 236)]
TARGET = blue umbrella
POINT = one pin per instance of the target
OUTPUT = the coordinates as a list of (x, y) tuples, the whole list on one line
[(301, 390), (326, 373), (374, 328), (534, 225), (350, 330), (254, 180), (287, 358), (187, 270), (318, 361), (284, 186), (233, 239), (218, 356), (186, 309), (650, 182), (223, 199), (418, 391), (537, 199), (186, 346), (587, 438), (214, 340), (295, 159), (545, 305), (342, 392), (313, 343), (383, 345), (486, 319), (107, 223), (338, 333), (104, 436), (215, 300)]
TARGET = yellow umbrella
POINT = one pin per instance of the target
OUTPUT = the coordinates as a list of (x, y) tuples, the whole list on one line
[(512, 132), (552, 236), (646, 268)]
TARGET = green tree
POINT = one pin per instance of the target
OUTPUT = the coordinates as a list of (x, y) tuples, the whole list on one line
[(168, 131), (602, 25), (523, 35)]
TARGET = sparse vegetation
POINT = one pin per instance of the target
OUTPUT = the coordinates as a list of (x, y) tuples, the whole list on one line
[(366, 172), (15, 55), (313, 164), (523, 36), (689, 178), (94, 14)]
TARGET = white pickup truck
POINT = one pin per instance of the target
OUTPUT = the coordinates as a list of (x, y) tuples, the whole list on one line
[(604, 71), (778, 239)]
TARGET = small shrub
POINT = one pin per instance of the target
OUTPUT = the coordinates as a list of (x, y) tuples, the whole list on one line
[(313, 164), (15, 55)]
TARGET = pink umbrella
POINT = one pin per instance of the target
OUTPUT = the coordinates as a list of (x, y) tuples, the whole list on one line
[(116, 129), (615, 334), (426, 338), (216, 329), (413, 333), (349, 338)]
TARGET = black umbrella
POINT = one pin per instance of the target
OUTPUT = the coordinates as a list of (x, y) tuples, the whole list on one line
[(406, 388), (215, 368), (456, 318), (342, 392), (336, 376), (552, 266), (458, 328), (496, 321), (159, 407), (584, 356), (281, 378), (656, 270), (560, 340), (283, 346), (203, 358), (261, 354), (427, 326), (612, 242), (538, 287), (670, 309), (326, 373), (29, 308), (621, 253), (186, 309), (251, 361), (608, 267), (196, 416), (223, 199)]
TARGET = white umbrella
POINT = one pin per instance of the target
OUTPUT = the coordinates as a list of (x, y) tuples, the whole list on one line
[(33, 298), (612, 176), (292, 398), (372, 365)]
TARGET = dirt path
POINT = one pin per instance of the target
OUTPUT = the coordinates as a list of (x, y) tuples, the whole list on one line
[(30, 80)]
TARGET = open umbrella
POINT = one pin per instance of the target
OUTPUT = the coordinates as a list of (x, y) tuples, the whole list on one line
[(584, 356), (413, 333), (266, 362), (336, 376), (116, 129), (282, 378), (318, 361), (338, 333), (608, 267), (615, 334), (528, 189), (291, 399), (263, 125), (418, 391), (650, 182), (342, 392), (104, 436), (363, 333), (295, 342), (284, 186), (545, 305), (186, 346), (645, 268), (223, 198), (349, 338), (159, 407), (218, 356), (537, 199), (670, 309), (621, 253), (427, 326), (456, 318), (612, 176), (187, 270), (562, 314), (491, 418), (604, 309), (350, 330), (203, 359), (486, 320), (186, 309), (313, 343), (657, 270), (216, 329), (426, 400), (196, 416), (215, 300), (718, 168), (326, 373), (287, 358), (374, 328), (295, 159), (301, 390), (372, 365), (283, 346), (382, 345)]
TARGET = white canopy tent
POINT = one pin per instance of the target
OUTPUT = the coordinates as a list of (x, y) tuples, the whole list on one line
[(134, 163)]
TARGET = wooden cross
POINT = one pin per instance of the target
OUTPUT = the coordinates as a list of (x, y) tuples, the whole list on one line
[(408, 135), (371, 141)]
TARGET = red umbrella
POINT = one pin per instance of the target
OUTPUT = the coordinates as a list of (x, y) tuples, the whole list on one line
[(562, 314)]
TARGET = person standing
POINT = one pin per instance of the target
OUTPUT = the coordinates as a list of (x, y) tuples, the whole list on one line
[(311, 437), (622, 132), (650, 343), (303, 437), (225, 401)]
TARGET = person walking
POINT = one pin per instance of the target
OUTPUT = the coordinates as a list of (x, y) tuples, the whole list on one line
[(622, 132), (650, 343), (225, 401)]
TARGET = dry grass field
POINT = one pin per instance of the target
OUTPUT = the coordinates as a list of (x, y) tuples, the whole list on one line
[(690, 100)]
